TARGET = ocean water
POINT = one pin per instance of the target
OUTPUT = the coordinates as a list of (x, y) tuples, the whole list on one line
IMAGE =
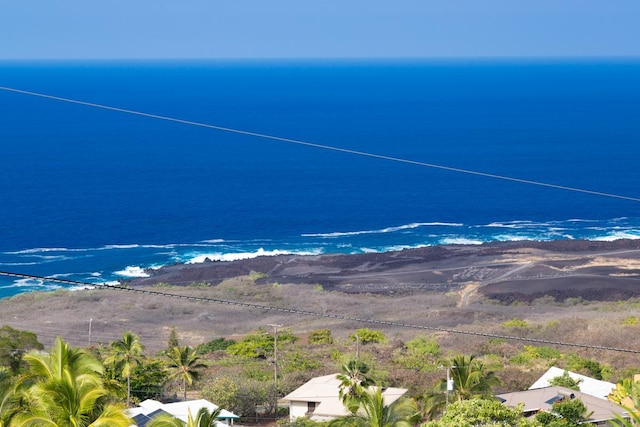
[(98, 195)]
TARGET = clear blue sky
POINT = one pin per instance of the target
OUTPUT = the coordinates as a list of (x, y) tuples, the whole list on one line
[(65, 29)]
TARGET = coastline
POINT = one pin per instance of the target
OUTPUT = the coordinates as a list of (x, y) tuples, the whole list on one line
[(508, 271), (469, 287)]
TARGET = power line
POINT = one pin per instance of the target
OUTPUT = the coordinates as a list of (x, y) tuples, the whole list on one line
[(318, 314), (322, 146)]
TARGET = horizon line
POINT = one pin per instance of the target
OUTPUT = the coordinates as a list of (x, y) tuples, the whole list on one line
[(479, 58)]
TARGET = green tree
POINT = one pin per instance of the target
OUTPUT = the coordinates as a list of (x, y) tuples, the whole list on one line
[(565, 380), (8, 403), (148, 379), (481, 412), (204, 418), (184, 364), (470, 380), (565, 412), (173, 339), (64, 388), (165, 420), (372, 412), (240, 397), (354, 380), (126, 353), (632, 421), (14, 344), (627, 395), (590, 367)]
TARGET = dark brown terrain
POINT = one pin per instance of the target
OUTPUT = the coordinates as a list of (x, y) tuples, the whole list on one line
[(578, 284)]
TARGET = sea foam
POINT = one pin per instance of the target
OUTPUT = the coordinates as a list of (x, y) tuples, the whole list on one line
[(132, 271)]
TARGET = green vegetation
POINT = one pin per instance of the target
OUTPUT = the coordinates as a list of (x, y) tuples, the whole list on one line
[(534, 355), (246, 376), (254, 275), (13, 345), (320, 336), (184, 365), (419, 353), (63, 387), (369, 410), (588, 367), (565, 412), (125, 355), (480, 412), (367, 336), (214, 345), (468, 380), (515, 323), (565, 380)]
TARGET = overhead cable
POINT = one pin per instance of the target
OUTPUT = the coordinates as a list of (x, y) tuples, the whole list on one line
[(322, 146), (316, 314)]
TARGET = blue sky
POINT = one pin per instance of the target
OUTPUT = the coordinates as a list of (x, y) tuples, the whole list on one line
[(66, 29)]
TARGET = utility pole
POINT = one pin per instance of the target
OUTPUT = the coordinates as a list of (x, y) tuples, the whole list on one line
[(275, 368), (90, 321), (450, 386)]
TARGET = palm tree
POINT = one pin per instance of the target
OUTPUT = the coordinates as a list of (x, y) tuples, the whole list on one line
[(372, 412), (184, 365), (204, 418), (470, 380), (632, 421), (64, 388), (127, 354), (353, 381), (7, 397)]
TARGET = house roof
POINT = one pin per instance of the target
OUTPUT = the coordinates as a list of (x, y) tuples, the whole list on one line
[(588, 385), (149, 408), (324, 391), (542, 399)]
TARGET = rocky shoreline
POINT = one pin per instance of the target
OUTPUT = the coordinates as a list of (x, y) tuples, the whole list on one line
[(507, 271)]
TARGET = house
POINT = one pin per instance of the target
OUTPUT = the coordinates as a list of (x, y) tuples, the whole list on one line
[(150, 408), (587, 385), (541, 399), (318, 399)]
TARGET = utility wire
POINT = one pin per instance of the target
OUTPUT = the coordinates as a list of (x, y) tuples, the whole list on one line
[(322, 146), (317, 314)]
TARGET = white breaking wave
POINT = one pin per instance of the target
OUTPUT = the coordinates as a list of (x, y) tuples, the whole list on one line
[(516, 224), (38, 250), (460, 241), (130, 246), (510, 238), (618, 235), (384, 230), (216, 256), (132, 271)]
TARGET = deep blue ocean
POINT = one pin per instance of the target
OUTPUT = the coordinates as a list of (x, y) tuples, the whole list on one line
[(98, 195)]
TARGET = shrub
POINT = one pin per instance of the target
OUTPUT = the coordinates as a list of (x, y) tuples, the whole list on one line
[(214, 345), (320, 336), (366, 336), (515, 323)]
